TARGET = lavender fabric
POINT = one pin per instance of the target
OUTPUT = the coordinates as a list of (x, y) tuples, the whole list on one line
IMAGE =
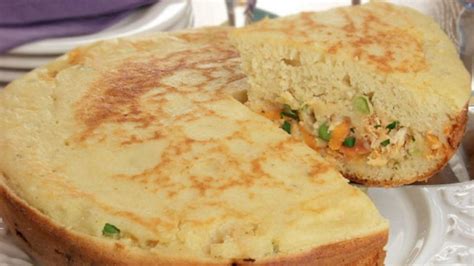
[(23, 21)]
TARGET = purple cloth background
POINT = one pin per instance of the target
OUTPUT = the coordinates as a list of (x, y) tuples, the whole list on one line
[(23, 21)]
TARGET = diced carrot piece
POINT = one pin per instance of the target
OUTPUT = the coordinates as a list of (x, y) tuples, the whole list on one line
[(273, 115), (358, 149), (433, 141), (338, 135), (308, 138)]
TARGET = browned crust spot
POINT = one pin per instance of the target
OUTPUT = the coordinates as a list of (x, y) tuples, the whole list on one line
[(454, 139), (114, 97), (373, 30), (52, 244)]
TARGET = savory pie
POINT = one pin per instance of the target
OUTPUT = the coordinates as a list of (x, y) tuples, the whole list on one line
[(136, 152)]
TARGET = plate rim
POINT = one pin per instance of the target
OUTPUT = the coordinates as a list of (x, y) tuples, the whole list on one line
[(151, 21)]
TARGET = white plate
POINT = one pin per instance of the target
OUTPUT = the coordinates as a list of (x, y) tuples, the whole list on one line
[(7, 75), (19, 61), (429, 225), (24, 61), (159, 16), (185, 23)]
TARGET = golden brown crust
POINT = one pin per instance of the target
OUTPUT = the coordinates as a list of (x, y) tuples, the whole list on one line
[(362, 251), (51, 244), (454, 139)]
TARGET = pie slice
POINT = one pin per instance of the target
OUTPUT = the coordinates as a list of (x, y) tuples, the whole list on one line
[(378, 89)]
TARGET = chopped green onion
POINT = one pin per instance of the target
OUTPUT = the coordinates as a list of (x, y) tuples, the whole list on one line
[(323, 132), (286, 126), (288, 112), (385, 142), (361, 104), (392, 125), (349, 142), (110, 230), (377, 126)]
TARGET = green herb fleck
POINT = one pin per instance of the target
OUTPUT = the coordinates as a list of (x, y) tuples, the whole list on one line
[(286, 126), (361, 104), (349, 142), (377, 126), (288, 112), (392, 125), (323, 132), (110, 230), (385, 142)]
